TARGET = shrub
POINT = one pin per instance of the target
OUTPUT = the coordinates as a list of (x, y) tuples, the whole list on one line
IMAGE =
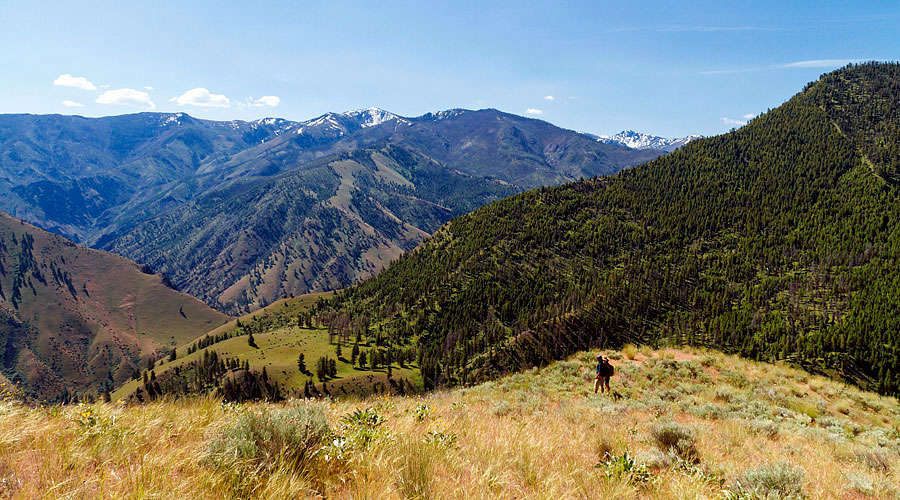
[(630, 351), (860, 483), (261, 441), (771, 481), (709, 411), (625, 467), (421, 412), (764, 427), (877, 459), (680, 439), (709, 360), (500, 408)]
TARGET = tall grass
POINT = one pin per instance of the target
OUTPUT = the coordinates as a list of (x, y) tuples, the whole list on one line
[(538, 434)]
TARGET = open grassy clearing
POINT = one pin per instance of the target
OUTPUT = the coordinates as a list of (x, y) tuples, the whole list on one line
[(277, 352), (680, 424)]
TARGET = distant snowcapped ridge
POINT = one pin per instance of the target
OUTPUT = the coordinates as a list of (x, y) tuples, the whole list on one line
[(640, 140), (370, 117)]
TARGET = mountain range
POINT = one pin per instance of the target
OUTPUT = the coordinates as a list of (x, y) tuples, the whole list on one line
[(641, 140), (243, 213)]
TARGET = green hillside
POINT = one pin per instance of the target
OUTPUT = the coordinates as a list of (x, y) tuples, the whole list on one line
[(281, 332), (778, 241), (74, 319)]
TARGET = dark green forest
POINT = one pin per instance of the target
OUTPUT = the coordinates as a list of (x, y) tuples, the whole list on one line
[(777, 241)]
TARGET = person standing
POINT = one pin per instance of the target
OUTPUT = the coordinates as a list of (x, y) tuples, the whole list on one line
[(601, 378), (608, 372)]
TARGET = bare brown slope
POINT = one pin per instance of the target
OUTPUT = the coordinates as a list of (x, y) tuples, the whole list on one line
[(77, 319)]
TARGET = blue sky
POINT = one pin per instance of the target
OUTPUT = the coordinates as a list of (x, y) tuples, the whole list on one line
[(667, 68)]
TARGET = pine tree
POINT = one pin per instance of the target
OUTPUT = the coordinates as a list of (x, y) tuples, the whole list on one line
[(362, 359), (301, 363)]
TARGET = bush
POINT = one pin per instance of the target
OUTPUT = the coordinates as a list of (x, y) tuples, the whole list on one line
[(764, 427), (263, 441), (778, 481), (680, 439), (625, 467), (709, 411), (878, 459), (630, 351)]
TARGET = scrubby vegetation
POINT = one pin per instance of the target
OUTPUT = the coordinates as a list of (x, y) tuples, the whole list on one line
[(542, 433)]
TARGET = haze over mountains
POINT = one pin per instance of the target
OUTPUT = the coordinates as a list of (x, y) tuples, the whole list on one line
[(242, 213)]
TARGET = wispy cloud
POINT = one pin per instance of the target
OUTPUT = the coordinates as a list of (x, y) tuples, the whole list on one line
[(549, 97), (812, 63), (72, 104), (126, 97), (693, 28), (534, 111), (750, 116), (822, 63), (732, 121), (78, 82), (201, 97), (148, 88)]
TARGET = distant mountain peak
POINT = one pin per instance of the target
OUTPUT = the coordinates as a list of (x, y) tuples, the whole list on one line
[(641, 140), (443, 115), (370, 117)]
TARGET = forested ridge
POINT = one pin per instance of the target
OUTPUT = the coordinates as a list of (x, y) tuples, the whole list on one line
[(778, 241)]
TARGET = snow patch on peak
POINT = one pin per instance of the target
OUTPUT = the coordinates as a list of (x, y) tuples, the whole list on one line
[(641, 140), (370, 117), (174, 118)]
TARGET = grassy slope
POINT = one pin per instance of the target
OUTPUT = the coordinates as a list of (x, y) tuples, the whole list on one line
[(113, 318), (538, 434), (278, 348)]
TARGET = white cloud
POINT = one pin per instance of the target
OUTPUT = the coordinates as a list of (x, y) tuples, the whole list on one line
[(126, 97), (148, 88), (203, 98), (72, 104), (78, 82), (732, 121), (822, 63), (534, 111), (266, 100), (548, 97), (750, 116)]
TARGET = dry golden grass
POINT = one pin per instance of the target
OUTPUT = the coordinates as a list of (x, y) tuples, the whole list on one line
[(539, 434)]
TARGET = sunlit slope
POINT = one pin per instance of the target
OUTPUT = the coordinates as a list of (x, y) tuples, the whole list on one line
[(77, 319), (279, 338), (679, 424)]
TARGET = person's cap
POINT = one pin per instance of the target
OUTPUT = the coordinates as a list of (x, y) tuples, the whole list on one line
[(599, 356)]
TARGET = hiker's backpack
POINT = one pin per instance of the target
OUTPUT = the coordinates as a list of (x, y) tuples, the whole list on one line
[(610, 370)]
